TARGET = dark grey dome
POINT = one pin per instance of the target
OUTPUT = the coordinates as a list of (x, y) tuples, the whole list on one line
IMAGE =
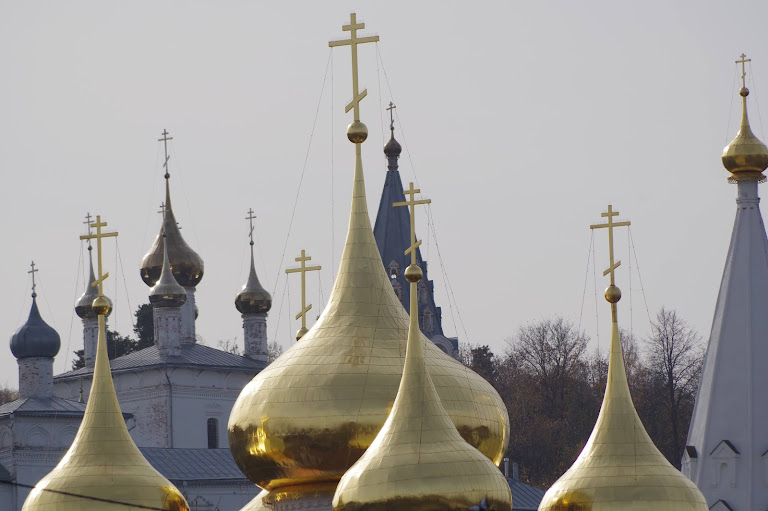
[(393, 147), (253, 298), (84, 304), (35, 338), (167, 292)]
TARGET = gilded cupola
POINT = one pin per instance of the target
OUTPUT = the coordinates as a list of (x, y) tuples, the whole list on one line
[(620, 468), (418, 460), (306, 418), (103, 470), (187, 265), (746, 157)]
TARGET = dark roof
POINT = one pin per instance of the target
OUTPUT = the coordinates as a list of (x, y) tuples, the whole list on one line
[(192, 355), (35, 338), (44, 406), (524, 497), (691, 450), (4, 474), (729, 444), (193, 464)]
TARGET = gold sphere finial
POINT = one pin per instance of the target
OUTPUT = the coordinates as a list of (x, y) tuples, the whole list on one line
[(303, 330), (101, 305), (744, 92), (357, 132), (613, 294), (413, 273)]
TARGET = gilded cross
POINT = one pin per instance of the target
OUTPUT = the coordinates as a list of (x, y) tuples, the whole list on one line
[(391, 109), (251, 217), (743, 61), (303, 269), (165, 140), (610, 225), (353, 41), (98, 224), (412, 202), (34, 285)]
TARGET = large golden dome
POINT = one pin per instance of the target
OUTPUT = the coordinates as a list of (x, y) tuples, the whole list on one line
[(306, 418), (746, 156), (419, 461), (620, 469)]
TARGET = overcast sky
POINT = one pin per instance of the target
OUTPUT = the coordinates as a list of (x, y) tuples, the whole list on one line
[(521, 121)]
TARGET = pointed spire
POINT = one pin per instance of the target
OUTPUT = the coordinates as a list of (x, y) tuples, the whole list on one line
[(187, 265), (746, 157), (103, 469), (620, 468), (418, 459), (252, 298)]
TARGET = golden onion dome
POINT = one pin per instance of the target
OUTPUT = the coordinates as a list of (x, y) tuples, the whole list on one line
[(103, 470), (620, 468), (418, 460), (187, 265), (746, 156), (167, 292), (253, 298), (257, 503), (84, 304), (306, 418)]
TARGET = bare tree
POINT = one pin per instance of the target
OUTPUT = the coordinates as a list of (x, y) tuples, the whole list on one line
[(552, 350), (274, 350), (8, 394), (675, 357)]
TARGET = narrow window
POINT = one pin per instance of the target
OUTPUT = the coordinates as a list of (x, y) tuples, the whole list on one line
[(213, 434)]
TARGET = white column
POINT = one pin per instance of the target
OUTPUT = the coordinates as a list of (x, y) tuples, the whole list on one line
[(168, 327), (255, 336), (90, 339), (36, 377), (188, 318)]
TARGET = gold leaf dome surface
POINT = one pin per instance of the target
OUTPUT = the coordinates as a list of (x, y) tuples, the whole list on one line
[(620, 469), (307, 417), (187, 265), (746, 154), (418, 460), (103, 470)]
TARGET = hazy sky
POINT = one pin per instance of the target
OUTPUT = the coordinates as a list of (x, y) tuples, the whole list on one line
[(521, 120)]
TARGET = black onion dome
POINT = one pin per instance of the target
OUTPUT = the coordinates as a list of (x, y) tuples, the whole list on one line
[(253, 298), (393, 147), (186, 264), (35, 338), (167, 292), (84, 304)]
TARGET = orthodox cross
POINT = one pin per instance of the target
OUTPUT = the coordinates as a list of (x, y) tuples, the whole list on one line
[(412, 202), (251, 217), (610, 225), (98, 224), (743, 61), (303, 270), (353, 41), (88, 224), (34, 285), (165, 140), (391, 109)]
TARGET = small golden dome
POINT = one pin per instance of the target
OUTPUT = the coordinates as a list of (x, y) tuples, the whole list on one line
[(746, 156), (103, 464), (413, 273), (253, 298), (301, 332), (620, 468), (418, 460), (612, 294), (102, 306), (188, 267), (357, 132), (306, 418)]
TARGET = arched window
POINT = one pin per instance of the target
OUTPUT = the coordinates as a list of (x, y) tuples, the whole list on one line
[(213, 434)]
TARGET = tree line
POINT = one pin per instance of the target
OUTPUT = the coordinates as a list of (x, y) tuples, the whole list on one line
[(553, 389)]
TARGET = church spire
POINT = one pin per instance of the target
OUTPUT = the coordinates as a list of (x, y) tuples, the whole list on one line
[(103, 469), (254, 302), (725, 453), (620, 468)]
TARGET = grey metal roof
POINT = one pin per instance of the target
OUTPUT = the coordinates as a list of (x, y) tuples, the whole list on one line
[(4, 474), (44, 406), (192, 355), (193, 464), (524, 497)]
